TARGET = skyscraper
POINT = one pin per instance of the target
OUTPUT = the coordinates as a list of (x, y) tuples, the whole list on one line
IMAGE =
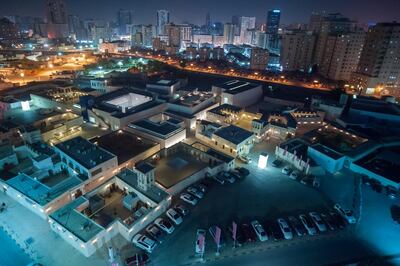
[(56, 16), (162, 20), (378, 70), (124, 19), (174, 35), (246, 24), (272, 27), (229, 33)]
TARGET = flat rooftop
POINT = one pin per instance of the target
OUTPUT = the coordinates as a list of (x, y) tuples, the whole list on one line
[(327, 151), (223, 109), (123, 144), (233, 134), (194, 98), (376, 106), (163, 129), (84, 152), (384, 162), (76, 222), (237, 86), (335, 138), (43, 193), (163, 82), (125, 102), (176, 164)]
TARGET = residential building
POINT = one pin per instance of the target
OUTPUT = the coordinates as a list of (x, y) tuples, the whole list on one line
[(297, 50), (124, 20), (238, 93), (229, 33), (56, 15), (378, 71), (259, 58), (246, 24)]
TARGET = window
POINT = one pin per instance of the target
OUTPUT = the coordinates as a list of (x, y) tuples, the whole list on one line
[(97, 171)]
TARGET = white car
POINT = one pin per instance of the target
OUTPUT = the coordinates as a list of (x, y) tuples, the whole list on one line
[(318, 221), (244, 159), (346, 214), (287, 232), (311, 230), (195, 192), (174, 216), (164, 225), (286, 170), (144, 242), (294, 175), (188, 198), (260, 232)]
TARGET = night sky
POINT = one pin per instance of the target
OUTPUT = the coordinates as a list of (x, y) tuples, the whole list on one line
[(367, 11)]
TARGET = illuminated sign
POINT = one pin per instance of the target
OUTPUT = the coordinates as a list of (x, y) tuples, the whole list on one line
[(262, 160)]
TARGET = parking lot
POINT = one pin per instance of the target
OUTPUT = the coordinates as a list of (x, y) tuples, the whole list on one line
[(266, 194)]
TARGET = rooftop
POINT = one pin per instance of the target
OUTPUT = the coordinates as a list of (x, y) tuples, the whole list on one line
[(84, 152), (237, 86), (327, 151), (233, 134), (224, 109), (123, 144), (384, 162), (38, 191), (75, 222), (194, 98), (154, 193), (162, 129), (163, 82)]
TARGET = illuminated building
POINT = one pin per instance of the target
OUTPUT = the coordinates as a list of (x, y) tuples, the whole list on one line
[(229, 33), (259, 58), (378, 70), (162, 20)]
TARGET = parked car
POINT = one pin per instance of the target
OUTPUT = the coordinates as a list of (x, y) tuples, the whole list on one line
[(277, 163), (346, 214), (259, 230), (285, 228), (164, 225), (195, 192), (311, 230), (154, 232), (144, 242), (188, 198), (212, 230), (329, 221), (174, 216), (249, 234), (235, 175), (219, 178), (243, 171), (318, 221), (228, 177), (297, 226), (274, 230), (137, 260), (244, 159), (286, 170), (307, 181), (198, 234), (202, 187), (294, 175), (181, 209), (338, 220)]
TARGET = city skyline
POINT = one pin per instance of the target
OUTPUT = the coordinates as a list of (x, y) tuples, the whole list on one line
[(292, 12)]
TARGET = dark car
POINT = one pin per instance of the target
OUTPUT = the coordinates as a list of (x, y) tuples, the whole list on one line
[(338, 220), (155, 232), (297, 226), (181, 209), (243, 171), (329, 221), (277, 163), (248, 232), (137, 260), (240, 237), (275, 231)]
